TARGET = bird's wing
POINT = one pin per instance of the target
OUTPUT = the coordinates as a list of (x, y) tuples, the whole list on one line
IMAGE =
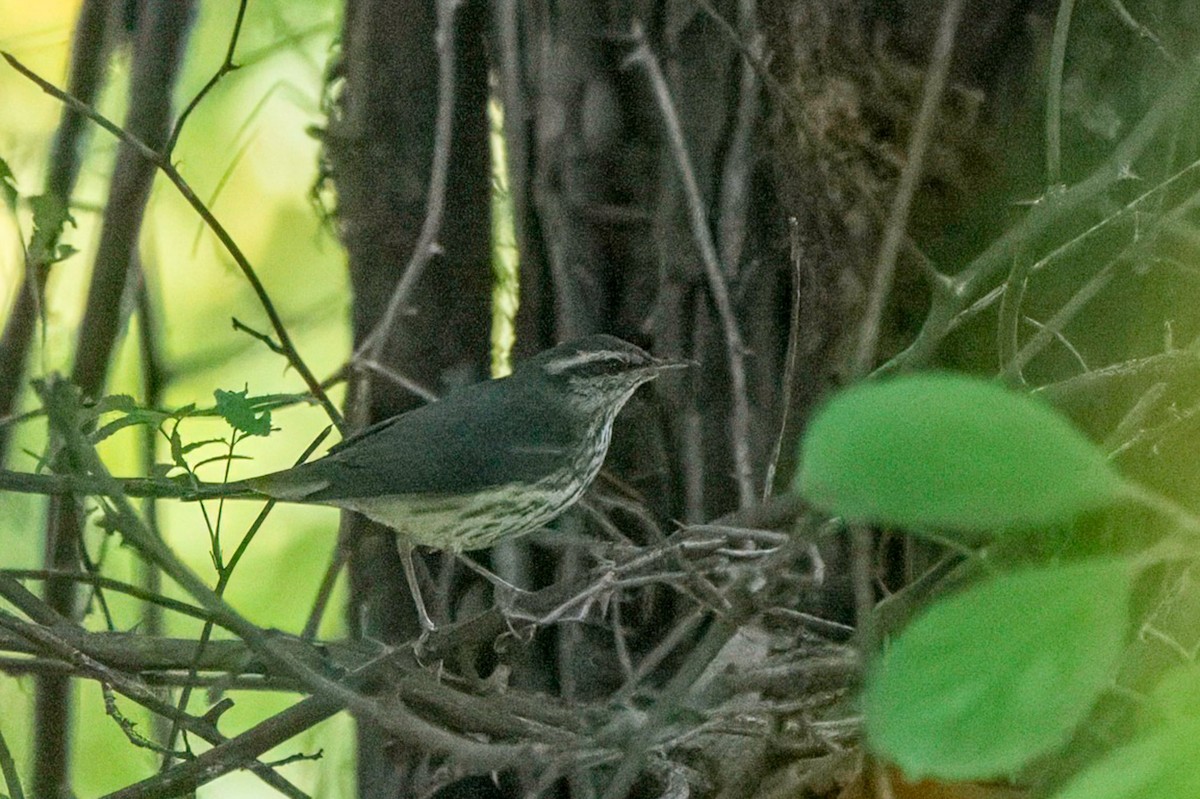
[(477, 438)]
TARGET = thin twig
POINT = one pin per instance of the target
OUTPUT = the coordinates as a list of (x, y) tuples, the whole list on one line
[(111, 584), (182, 186), (1054, 87), (242, 327), (226, 67), (910, 177), (8, 767), (961, 291), (435, 205), (791, 359), (1129, 21), (225, 574), (739, 422)]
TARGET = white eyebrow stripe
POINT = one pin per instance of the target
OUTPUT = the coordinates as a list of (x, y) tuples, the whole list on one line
[(559, 366)]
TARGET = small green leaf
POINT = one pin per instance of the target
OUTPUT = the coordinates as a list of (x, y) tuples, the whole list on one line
[(50, 216), (62, 252), (195, 445), (950, 452), (242, 412), (1160, 765), (989, 679), (122, 403), (177, 449), (8, 186)]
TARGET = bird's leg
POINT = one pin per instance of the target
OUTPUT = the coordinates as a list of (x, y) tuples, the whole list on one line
[(414, 587)]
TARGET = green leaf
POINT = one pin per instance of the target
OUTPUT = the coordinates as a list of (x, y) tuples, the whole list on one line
[(122, 403), (50, 216), (1176, 696), (1002, 673), (243, 412), (195, 445), (8, 186), (177, 449), (950, 452), (1161, 765)]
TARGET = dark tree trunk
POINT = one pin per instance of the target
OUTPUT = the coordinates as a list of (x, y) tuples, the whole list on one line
[(158, 46)]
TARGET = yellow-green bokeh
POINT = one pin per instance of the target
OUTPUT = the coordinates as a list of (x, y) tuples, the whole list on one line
[(250, 139)]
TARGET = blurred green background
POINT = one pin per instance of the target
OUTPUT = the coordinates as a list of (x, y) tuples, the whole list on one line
[(248, 153)]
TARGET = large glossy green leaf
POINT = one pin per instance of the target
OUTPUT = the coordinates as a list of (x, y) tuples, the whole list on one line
[(991, 678), (950, 452)]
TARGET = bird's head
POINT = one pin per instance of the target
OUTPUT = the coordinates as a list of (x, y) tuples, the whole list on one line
[(599, 371)]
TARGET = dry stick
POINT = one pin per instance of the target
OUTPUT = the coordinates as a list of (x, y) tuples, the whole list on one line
[(738, 167), (181, 185), (154, 379), (1129, 21), (698, 217), (791, 358), (435, 204), (1054, 87), (23, 666), (910, 176), (65, 484)]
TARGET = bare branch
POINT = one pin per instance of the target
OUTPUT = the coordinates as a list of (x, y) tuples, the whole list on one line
[(910, 177), (177, 180), (427, 245), (226, 67), (739, 423)]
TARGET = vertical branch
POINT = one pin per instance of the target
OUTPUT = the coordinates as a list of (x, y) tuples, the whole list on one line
[(153, 383), (427, 240), (739, 422), (8, 768), (1054, 86), (158, 53), (89, 58), (910, 177)]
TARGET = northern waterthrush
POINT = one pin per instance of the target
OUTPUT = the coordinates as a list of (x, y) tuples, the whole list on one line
[(493, 461)]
